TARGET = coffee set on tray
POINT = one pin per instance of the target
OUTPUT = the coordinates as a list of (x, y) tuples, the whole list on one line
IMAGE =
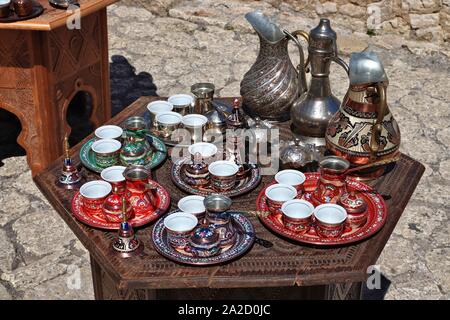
[(351, 142)]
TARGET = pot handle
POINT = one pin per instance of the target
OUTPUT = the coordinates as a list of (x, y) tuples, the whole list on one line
[(301, 68), (377, 126), (341, 62), (153, 190)]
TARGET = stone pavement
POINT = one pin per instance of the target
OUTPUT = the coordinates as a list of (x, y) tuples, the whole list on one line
[(172, 44)]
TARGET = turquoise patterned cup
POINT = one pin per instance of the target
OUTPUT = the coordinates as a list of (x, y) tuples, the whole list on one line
[(106, 152)]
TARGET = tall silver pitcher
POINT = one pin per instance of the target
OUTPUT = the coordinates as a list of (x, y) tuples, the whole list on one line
[(273, 83)]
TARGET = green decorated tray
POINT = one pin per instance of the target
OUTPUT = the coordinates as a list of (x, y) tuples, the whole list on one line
[(155, 159)]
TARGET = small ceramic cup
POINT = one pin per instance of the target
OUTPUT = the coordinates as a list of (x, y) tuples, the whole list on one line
[(106, 152), (114, 175), (297, 215), (94, 194), (278, 194), (206, 150), (179, 227), (168, 122), (193, 205), (195, 124), (182, 103), (156, 107), (109, 132), (223, 175), (4, 8), (293, 178), (330, 220)]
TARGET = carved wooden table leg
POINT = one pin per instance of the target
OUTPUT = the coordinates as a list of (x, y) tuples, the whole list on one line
[(105, 288), (344, 291), (41, 72)]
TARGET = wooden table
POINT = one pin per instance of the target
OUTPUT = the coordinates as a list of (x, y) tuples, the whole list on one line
[(287, 270), (43, 65)]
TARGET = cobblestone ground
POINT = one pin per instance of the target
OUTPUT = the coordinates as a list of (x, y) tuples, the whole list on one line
[(168, 47)]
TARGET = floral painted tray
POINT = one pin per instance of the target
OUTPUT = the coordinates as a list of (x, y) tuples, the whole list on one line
[(155, 158), (244, 241), (98, 220), (377, 213)]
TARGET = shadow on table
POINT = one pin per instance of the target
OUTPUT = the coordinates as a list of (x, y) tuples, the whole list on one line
[(126, 87), (377, 294)]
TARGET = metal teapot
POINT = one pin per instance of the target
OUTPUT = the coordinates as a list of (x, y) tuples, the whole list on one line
[(272, 84), (364, 130), (311, 112)]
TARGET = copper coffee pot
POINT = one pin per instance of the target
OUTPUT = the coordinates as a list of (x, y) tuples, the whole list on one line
[(363, 130), (141, 190)]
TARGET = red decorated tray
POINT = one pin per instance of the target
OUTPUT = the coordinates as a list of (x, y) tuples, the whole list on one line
[(377, 212), (98, 220)]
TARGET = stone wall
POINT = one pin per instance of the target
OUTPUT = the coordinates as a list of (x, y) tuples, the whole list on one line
[(414, 19)]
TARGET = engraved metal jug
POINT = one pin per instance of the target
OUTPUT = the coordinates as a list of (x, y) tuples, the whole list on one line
[(272, 84), (311, 112), (364, 130)]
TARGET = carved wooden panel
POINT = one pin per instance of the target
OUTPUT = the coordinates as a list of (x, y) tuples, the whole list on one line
[(40, 74)]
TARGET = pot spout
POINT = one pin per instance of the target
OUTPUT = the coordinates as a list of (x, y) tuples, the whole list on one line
[(264, 26)]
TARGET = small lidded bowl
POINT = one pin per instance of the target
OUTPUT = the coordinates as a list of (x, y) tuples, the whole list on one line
[(356, 208), (204, 242)]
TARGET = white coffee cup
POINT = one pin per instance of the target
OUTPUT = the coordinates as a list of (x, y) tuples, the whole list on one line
[(168, 122), (291, 177), (195, 124), (106, 146), (109, 132), (223, 175), (106, 152), (182, 103), (94, 193), (207, 150), (113, 174), (278, 194), (95, 189), (157, 107), (297, 209), (330, 220), (193, 204), (179, 226)]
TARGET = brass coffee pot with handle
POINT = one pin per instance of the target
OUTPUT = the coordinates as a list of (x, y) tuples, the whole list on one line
[(364, 130)]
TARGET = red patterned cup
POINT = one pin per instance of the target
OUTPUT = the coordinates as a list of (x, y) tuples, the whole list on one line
[(278, 194), (330, 220), (179, 226), (94, 194), (223, 175), (297, 215)]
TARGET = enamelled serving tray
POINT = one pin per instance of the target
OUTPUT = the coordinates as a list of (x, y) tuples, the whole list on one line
[(244, 241), (377, 213)]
